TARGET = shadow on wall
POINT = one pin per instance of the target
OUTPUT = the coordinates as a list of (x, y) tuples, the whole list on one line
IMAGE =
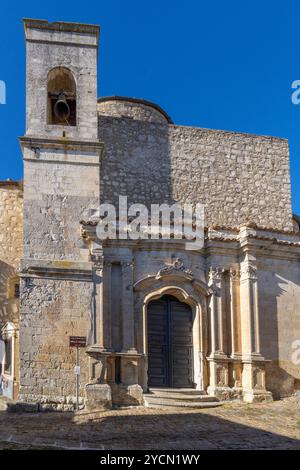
[(144, 430), (136, 161), (277, 327), (8, 299)]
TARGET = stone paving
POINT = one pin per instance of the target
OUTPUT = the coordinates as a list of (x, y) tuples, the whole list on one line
[(233, 426)]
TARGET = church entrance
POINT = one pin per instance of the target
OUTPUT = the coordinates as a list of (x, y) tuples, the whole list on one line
[(170, 343)]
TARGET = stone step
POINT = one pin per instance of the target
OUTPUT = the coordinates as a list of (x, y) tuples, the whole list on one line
[(180, 391), (157, 402), (181, 396)]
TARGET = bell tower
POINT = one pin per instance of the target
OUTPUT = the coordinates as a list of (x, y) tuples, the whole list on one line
[(61, 151), (61, 154), (61, 79)]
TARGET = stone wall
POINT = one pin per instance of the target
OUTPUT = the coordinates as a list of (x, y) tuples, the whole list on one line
[(58, 196), (11, 247), (52, 310), (279, 293), (238, 177)]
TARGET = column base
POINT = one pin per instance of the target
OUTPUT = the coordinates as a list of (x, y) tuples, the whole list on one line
[(224, 393), (257, 396), (98, 397), (127, 395), (254, 380), (218, 376)]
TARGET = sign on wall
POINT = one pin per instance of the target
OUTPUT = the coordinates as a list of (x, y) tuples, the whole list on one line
[(77, 341)]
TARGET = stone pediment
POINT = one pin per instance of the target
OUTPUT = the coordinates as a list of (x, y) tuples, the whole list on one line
[(175, 274)]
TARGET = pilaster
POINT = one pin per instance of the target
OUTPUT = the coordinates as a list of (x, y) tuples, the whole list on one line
[(218, 360)]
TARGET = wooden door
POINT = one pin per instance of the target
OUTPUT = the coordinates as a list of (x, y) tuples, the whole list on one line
[(170, 346)]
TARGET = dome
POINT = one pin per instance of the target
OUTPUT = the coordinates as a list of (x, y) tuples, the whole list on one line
[(133, 108)]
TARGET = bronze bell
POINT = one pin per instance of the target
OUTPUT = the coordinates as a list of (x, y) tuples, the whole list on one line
[(61, 107)]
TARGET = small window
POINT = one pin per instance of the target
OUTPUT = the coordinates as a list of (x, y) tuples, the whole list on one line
[(8, 356), (61, 91), (13, 287), (17, 290)]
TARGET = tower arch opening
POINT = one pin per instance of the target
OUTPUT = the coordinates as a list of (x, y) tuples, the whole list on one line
[(61, 92)]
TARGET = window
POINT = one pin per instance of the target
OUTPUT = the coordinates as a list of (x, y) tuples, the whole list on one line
[(61, 91), (13, 287), (17, 290)]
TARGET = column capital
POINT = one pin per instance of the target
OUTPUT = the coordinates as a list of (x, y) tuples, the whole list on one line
[(215, 274), (249, 271), (234, 273)]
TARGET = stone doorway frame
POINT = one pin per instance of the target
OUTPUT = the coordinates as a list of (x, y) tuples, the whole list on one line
[(185, 288)]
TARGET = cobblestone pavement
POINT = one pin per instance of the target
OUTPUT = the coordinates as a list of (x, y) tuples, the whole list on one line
[(233, 426)]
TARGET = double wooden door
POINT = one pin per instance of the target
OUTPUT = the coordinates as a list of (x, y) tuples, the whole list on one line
[(170, 343)]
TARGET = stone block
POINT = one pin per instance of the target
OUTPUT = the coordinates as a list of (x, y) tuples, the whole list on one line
[(98, 397), (127, 395)]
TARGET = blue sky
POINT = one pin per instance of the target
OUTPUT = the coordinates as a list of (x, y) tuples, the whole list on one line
[(222, 64)]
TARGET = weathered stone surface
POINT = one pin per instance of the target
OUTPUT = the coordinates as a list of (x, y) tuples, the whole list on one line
[(11, 248), (238, 177), (98, 397), (127, 394)]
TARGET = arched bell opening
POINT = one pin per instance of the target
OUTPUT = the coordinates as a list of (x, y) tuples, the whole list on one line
[(61, 91)]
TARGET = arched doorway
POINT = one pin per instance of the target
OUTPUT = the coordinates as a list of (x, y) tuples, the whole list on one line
[(170, 343)]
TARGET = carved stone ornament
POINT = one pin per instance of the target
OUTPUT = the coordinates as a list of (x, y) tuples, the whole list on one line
[(216, 273), (250, 272), (234, 273), (221, 376), (177, 265), (97, 258)]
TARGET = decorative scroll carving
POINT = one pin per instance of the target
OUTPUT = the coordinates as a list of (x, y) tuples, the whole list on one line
[(83, 233), (250, 272), (177, 265), (215, 274), (258, 378), (97, 258), (234, 274), (221, 374), (237, 375)]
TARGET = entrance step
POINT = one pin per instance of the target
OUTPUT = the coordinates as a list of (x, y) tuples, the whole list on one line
[(186, 398), (176, 391)]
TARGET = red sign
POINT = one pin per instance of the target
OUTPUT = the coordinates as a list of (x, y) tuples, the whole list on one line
[(77, 341)]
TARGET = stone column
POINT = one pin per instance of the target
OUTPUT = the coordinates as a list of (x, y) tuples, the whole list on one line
[(218, 360), (98, 336), (98, 391), (128, 392), (128, 307), (235, 369), (106, 305), (101, 301), (253, 377)]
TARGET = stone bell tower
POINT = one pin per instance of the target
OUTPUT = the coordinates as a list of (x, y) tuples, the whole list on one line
[(61, 155)]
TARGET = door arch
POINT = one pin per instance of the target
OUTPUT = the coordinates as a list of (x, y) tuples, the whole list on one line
[(170, 343)]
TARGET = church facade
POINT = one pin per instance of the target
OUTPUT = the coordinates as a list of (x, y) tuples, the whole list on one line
[(223, 319)]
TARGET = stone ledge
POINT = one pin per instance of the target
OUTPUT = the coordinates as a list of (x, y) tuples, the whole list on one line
[(61, 26)]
